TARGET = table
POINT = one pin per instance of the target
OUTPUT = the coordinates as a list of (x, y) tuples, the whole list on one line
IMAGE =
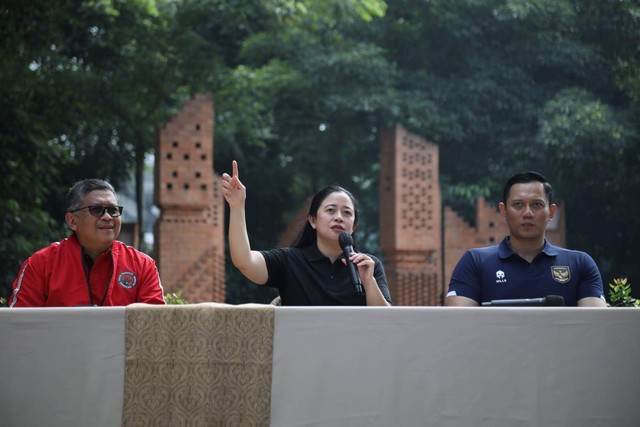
[(356, 366), (61, 366)]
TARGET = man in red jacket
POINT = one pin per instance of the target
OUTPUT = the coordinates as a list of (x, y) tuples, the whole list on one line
[(90, 267)]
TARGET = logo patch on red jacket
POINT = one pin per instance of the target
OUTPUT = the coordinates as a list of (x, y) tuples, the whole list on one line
[(127, 279)]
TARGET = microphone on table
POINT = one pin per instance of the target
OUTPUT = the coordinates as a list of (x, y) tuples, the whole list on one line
[(549, 300), (346, 243)]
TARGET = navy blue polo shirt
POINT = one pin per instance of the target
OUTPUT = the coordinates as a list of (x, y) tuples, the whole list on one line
[(496, 272), (307, 277)]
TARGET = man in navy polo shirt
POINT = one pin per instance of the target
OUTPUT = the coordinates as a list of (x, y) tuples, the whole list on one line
[(524, 265)]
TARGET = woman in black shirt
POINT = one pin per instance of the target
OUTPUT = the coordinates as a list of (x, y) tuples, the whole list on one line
[(313, 271)]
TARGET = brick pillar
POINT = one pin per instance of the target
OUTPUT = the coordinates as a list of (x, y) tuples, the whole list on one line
[(410, 217), (189, 234)]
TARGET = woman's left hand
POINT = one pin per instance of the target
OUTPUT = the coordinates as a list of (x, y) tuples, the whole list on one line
[(365, 266)]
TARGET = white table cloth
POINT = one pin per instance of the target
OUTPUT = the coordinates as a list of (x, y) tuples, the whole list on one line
[(399, 366)]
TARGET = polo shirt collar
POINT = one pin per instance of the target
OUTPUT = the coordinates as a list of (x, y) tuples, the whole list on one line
[(313, 254), (505, 251)]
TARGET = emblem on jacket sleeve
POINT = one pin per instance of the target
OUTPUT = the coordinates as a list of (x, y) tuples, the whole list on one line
[(127, 279), (561, 273)]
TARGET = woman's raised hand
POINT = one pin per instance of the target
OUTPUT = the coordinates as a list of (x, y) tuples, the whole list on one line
[(234, 192)]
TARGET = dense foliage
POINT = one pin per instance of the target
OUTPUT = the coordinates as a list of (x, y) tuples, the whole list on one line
[(301, 90)]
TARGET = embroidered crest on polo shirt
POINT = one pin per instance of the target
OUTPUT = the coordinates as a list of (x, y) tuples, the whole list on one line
[(561, 273), (127, 279), (500, 277)]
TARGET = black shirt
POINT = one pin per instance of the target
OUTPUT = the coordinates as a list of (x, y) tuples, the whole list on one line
[(307, 277)]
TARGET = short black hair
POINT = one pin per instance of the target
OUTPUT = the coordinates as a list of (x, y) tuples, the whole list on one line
[(525, 177), (78, 191)]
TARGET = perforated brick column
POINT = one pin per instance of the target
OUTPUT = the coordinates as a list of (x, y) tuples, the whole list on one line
[(189, 234), (410, 217)]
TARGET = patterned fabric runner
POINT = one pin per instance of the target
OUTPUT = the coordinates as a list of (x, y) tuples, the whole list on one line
[(198, 365)]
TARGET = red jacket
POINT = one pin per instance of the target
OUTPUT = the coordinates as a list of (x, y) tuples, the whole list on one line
[(55, 277)]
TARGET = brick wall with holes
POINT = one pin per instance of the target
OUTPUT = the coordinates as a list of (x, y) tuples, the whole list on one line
[(189, 234), (410, 217)]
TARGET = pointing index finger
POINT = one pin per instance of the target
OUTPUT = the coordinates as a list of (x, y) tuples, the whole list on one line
[(235, 169)]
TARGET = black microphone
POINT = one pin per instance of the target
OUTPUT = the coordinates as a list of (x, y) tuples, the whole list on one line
[(549, 300), (346, 243)]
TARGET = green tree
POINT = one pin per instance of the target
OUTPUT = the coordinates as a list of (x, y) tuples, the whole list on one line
[(549, 85), (87, 85), (38, 101)]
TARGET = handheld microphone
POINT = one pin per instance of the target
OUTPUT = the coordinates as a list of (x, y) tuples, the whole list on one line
[(549, 300), (346, 243)]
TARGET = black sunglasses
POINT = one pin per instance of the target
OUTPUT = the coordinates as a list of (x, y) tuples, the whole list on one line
[(98, 210)]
